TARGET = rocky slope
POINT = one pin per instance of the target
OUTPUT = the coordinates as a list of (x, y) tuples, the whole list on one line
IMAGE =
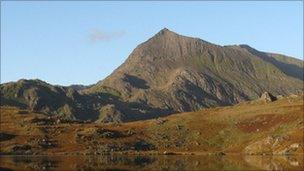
[(168, 73), (37, 95)]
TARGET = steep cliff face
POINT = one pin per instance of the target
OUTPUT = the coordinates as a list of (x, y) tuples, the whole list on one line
[(168, 73)]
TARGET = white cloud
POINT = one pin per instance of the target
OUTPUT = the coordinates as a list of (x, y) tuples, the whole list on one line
[(97, 35)]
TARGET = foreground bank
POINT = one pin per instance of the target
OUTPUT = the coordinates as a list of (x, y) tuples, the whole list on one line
[(253, 127)]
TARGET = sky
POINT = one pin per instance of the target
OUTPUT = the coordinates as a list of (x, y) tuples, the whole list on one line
[(79, 42)]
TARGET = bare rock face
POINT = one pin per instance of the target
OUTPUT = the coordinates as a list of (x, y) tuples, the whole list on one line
[(279, 97), (109, 113), (267, 97)]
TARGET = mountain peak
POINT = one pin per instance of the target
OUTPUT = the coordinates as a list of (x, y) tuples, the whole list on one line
[(166, 31), (245, 46)]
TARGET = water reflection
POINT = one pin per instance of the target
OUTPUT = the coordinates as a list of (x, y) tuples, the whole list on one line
[(153, 162)]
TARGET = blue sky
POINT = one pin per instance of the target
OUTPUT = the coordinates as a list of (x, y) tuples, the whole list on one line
[(83, 42)]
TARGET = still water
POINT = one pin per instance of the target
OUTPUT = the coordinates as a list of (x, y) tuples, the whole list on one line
[(152, 162)]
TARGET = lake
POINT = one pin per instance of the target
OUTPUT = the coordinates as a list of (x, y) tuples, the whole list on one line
[(152, 162)]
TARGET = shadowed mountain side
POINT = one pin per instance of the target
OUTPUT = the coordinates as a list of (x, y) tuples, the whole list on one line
[(39, 96), (291, 69), (115, 110), (135, 81)]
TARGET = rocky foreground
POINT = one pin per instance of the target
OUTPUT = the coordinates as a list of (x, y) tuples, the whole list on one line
[(265, 127)]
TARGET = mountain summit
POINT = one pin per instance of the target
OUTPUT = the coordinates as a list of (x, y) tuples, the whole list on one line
[(179, 73), (165, 31), (171, 73)]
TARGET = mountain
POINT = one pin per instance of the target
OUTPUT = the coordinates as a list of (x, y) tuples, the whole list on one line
[(179, 73), (168, 73), (37, 95)]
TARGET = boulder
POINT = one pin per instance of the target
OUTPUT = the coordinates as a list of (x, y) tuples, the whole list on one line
[(267, 97), (280, 97), (106, 133)]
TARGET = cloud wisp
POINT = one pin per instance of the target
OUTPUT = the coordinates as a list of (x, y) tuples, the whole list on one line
[(101, 36)]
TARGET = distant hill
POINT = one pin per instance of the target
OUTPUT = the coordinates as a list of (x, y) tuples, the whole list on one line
[(37, 95), (78, 87), (168, 73)]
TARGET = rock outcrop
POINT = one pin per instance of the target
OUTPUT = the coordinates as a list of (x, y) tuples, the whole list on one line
[(109, 113), (268, 97), (280, 145)]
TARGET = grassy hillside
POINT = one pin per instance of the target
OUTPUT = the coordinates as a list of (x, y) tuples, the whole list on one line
[(253, 127)]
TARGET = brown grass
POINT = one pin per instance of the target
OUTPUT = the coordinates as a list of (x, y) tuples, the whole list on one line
[(223, 129)]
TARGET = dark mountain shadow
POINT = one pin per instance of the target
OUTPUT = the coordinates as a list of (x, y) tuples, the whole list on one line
[(191, 92), (12, 102), (135, 81), (288, 69), (139, 110)]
